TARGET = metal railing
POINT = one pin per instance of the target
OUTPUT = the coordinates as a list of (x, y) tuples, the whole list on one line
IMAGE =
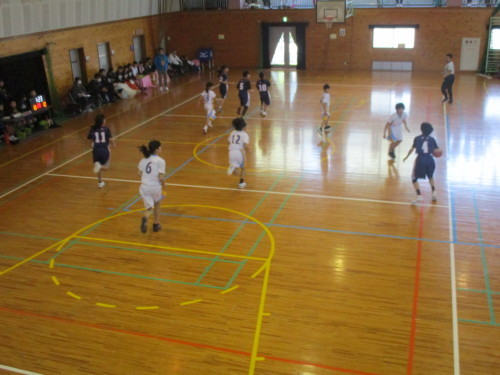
[(308, 4)]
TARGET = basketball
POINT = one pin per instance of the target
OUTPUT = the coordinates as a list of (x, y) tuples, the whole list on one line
[(437, 153)]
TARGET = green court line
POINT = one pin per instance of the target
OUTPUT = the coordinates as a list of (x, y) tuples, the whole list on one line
[(477, 291), (115, 273), (30, 236), (238, 230), (257, 242), (484, 261), (479, 322)]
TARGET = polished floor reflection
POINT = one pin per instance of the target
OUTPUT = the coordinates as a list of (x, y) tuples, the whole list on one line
[(319, 266)]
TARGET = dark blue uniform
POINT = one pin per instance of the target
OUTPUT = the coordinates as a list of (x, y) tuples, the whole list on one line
[(263, 87), (222, 86), (100, 138), (424, 164), (243, 87)]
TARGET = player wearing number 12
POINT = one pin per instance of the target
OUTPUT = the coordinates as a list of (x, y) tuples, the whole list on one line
[(424, 166), (152, 172), (238, 142), (101, 138)]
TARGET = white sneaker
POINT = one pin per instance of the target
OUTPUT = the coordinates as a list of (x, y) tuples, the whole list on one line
[(166, 89), (161, 88), (242, 185), (434, 197), (210, 125), (205, 128), (101, 184), (97, 167), (264, 113), (418, 200), (230, 170)]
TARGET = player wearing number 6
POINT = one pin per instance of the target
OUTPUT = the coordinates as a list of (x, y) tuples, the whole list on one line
[(152, 172), (238, 142), (101, 138), (424, 166)]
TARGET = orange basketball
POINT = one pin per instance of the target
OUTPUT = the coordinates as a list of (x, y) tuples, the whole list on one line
[(437, 153)]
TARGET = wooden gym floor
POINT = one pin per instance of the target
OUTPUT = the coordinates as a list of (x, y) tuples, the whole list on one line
[(320, 266)]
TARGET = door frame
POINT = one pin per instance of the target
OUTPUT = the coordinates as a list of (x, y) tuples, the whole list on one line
[(300, 32)]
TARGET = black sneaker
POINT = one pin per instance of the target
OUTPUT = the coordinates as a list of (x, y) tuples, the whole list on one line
[(156, 227), (144, 225), (327, 127)]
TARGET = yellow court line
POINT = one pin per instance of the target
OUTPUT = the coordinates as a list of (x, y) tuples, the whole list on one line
[(191, 302), (56, 280), (230, 289), (71, 294), (173, 248), (257, 273), (147, 307), (30, 258), (51, 263), (266, 314), (105, 305)]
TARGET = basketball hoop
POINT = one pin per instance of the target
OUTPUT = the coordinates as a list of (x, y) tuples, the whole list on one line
[(329, 22)]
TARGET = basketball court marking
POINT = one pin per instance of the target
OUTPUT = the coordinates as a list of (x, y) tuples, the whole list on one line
[(61, 245), (258, 191), (90, 150), (452, 238), (86, 127), (18, 371)]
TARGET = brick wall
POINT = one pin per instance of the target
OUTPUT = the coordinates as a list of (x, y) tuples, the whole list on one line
[(441, 31)]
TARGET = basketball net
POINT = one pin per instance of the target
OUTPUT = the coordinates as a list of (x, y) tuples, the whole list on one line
[(329, 22)]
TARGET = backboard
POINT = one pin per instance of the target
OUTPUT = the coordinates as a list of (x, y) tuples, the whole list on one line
[(330, 11)]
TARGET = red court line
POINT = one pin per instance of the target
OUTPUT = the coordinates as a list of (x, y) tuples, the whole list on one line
[(413, 331), (174, 341)]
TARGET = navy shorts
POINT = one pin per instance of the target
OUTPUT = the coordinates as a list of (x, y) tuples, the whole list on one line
[(424, 167), (223, 91), (101, 154), (244, 99), (265, 98)]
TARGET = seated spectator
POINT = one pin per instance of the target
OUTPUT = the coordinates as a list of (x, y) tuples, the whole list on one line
[(190, 64), (23, 125), (23, 104), (176, 62), (107, 82), (135, 69), (98, 91), (140, 68), (7, 131), (4, 95), (120, 75), (80, 96)]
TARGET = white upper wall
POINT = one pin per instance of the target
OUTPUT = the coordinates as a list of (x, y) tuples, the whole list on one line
[(21, 17)]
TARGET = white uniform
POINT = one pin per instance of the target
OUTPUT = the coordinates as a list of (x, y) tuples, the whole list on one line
[(237, 140), (208, 100), (396, 127), (449, 68), (325, 99), (150, 189)]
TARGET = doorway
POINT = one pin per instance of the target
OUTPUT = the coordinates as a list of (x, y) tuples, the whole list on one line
[(78, 64), (284, 45), (139, 47), (283, 49), (104, 52)]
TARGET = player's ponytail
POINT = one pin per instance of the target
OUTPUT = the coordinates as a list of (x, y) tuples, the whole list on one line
[(151, 149), (207, 87), (98, 122), (145, 151), (222, 68)]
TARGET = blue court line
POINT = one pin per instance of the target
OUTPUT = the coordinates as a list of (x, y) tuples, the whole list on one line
[(263, 233), (30, 236), (479, 322), (238, 230), (117, 273), (484, 261), (477, 291)]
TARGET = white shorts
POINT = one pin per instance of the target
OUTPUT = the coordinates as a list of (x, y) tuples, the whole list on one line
[(150, 195), (209, 107), (237, 158), (396, 133)]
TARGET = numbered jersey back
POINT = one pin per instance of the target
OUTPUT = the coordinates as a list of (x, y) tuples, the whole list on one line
[(151, 168), (237, 139), (100, 137)]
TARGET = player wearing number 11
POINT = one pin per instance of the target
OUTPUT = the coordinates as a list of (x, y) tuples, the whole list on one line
[(152, 172), (101, 138)]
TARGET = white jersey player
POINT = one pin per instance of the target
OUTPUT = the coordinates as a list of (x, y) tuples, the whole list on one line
[(152, 172), (393, 130), (208, 96), (238, 144)]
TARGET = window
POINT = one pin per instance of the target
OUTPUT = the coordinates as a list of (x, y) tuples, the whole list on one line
[(393, 37), (495, 39)]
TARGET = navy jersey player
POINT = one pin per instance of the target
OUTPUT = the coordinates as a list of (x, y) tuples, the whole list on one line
[(424, 165), (244, 87), (223, 85), (265, 99), (101, 138)]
